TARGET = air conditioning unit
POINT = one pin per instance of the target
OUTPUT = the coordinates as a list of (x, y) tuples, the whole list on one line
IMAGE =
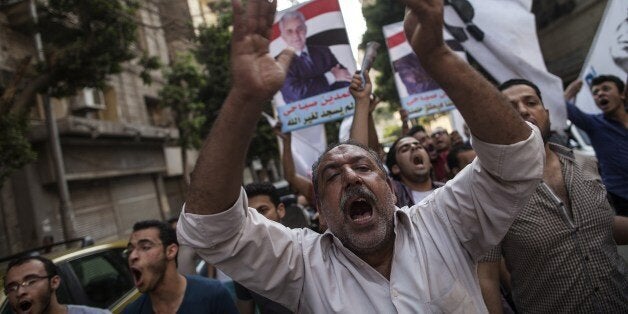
[(88, 98)]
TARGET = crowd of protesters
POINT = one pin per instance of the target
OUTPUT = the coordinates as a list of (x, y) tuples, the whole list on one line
[(503, 220)]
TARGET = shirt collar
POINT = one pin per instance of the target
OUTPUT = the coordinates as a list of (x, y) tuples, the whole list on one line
[(562, 151)]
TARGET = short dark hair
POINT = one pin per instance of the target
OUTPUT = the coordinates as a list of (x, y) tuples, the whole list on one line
[(608, 78), (173, 219), (452, 157), (369, 151), (51, 269), (514, 82), (167, 235), (391, 156), (415, 129), (263, 188)]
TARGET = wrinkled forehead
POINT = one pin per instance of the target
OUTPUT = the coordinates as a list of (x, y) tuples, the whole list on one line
[(344, 151)]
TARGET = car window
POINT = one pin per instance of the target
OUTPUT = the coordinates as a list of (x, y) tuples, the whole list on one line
[(104, 276)]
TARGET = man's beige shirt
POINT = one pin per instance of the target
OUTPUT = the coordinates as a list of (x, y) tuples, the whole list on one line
[(437, 242)]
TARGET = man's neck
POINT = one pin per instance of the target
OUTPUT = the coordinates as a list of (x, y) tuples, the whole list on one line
[(168, 296), (381, 261), (421, 185), (54, 307), (619, 115)]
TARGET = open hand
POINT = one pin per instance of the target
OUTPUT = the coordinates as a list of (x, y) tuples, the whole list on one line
[(572, 90), (423, 25), (257, 76)]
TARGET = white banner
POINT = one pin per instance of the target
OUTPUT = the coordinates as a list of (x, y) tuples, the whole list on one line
[(608, 53), (501, 36)]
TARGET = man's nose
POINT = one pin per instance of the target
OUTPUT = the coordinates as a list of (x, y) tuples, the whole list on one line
[(523, 110), (350, 177)]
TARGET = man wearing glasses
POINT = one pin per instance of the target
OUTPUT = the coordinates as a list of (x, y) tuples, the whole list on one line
[(152, 254), (31, 284)]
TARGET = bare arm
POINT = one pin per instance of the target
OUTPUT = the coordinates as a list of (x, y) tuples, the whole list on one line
[(487, 112), (620, 230), (360, 128), (488, 274), (404, 121), (373, 139), (298, 182), (256, 76)]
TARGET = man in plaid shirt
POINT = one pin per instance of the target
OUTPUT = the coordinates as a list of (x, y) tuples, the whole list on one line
[(561, 250)]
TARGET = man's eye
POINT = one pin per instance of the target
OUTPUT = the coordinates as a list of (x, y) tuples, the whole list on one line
[(363, 168), (332, 176)]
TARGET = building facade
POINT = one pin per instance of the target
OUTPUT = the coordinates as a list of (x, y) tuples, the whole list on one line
[(117, 143)]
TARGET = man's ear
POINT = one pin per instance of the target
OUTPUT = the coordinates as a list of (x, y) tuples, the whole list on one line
[(392, 188), (395, 170), (55, 281), (281, 210), (171, 251)]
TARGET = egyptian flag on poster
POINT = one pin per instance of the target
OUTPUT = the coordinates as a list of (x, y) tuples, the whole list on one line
[(312, 94), (420, 95)]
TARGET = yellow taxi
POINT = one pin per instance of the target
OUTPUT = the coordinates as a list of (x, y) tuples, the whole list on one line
[(96, 276)]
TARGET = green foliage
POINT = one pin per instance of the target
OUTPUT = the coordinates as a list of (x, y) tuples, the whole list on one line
[(85, 41), (184, 80), (15, 150), (213, 54), (196, 96), (148, 64), (380, 13)]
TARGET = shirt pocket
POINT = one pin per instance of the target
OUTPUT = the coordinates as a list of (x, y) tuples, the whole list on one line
[(456, 300)]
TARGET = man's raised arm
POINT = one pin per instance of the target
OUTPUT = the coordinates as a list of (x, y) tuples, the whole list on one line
[(485, 110), (256, 77)]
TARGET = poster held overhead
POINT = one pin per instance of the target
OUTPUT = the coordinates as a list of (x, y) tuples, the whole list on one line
[(316, 87), (420, 95)]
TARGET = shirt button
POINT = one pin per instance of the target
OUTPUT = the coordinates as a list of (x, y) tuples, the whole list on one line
[(395, 294)]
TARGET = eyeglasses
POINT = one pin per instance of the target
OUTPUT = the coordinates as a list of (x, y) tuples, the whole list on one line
[(143, 247), (439, 133), (28, 281)]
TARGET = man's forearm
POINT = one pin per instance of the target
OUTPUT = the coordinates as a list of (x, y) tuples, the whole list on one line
[(359, 128), (217, 176), (487, 112)]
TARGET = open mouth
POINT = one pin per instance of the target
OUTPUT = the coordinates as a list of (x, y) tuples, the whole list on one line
[(25, 305), (417, 160), (137, 276), (360, 210), (603, 102)]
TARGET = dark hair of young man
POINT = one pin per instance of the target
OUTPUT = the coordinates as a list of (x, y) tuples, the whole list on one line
[(51, 268), (514, 82), (167, 235), (452, 157), (391, 157), (262, 188), (609, 78), (415, 129)]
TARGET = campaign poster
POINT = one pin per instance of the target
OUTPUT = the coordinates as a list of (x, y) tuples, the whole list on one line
[(316, 89), (608, 53), (420, 95)]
